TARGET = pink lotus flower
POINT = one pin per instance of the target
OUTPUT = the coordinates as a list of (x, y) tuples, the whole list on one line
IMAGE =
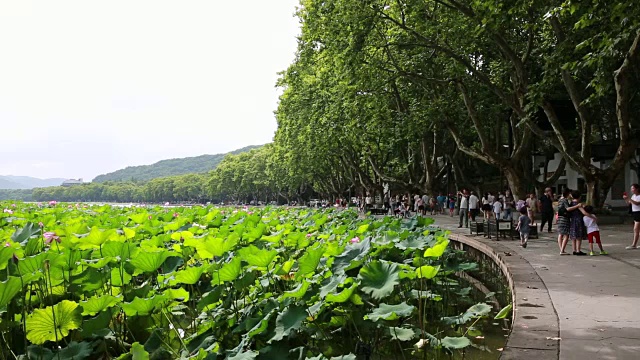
[(166, 204), (7, 244), (308, 236), (40, 224), (355, 240), (39, 204), (8, 211), (175, 214), (250, 213), (150, 217), (13, 205), (53, 203), (51, 236), (70, 206)]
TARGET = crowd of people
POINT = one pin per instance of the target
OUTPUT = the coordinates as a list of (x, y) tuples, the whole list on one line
[(575, 220)]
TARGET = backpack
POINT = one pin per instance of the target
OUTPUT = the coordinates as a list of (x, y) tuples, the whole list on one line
[(562, 211)]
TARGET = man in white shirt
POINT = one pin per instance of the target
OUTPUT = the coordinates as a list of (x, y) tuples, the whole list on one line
[(497, 209), (473, 206), (464, 207)]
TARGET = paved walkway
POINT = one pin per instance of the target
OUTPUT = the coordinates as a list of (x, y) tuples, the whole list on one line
[(596, 299)]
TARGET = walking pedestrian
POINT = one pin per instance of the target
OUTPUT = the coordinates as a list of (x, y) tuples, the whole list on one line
[(563, 221), (523, 226), (452, 204), (634, 204), (508, 205), (474, 203), (532, 205), (497, 209), (486, 206), (576, 232), (545, 205), (464, 208)]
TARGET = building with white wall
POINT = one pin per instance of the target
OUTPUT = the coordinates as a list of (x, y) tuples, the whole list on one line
[(573, 180)]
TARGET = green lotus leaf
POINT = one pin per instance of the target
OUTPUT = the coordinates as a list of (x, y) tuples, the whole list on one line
[(182, 235), (504, 312), (362, 229), (342, 296), (427, 271), (260, 327), (179, 294), (138, 352), (390, 312), (257, 257), (246, 355), (401, 334), (87, 281), (228, 272), (480, 309), (437, 250), (415, 242), (255, 233), (97, 304), (97, 237), (129, 233), (188, 276), (98, 263), (475, 311), (329, 285), (460, 342), (143, 307), (23, 234), (308, 263), (75, 351), (210, 247), (379, 278), (8, 290), (288, 321), (139, 218), (151, 261), (42, 325), (6, 253), (120, 277), (122, 250), (298, 292), (352, 256)]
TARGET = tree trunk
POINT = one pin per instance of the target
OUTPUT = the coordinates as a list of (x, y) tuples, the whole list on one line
[(516, 185)]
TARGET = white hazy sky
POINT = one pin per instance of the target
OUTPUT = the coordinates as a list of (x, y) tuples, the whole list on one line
[(88, 87)]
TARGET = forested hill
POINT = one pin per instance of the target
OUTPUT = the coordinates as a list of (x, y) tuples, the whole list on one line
[(189, 165)]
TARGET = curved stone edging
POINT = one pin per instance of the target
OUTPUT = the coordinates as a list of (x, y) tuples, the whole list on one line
[(535, 326)]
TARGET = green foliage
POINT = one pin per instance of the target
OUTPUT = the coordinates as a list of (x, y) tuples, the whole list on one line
[(253, 284)]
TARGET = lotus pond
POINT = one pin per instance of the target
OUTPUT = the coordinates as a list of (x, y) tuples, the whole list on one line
[(103, 282)]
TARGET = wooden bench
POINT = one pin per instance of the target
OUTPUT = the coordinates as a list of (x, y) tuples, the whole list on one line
[(476, 227), (497, 228), (378, 211)]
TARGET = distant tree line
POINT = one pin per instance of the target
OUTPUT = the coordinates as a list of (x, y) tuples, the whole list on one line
[(170, 167)]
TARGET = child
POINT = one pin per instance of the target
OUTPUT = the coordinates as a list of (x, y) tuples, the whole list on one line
[(523, 226), (452, 204), (497, 208), (593, 232)]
